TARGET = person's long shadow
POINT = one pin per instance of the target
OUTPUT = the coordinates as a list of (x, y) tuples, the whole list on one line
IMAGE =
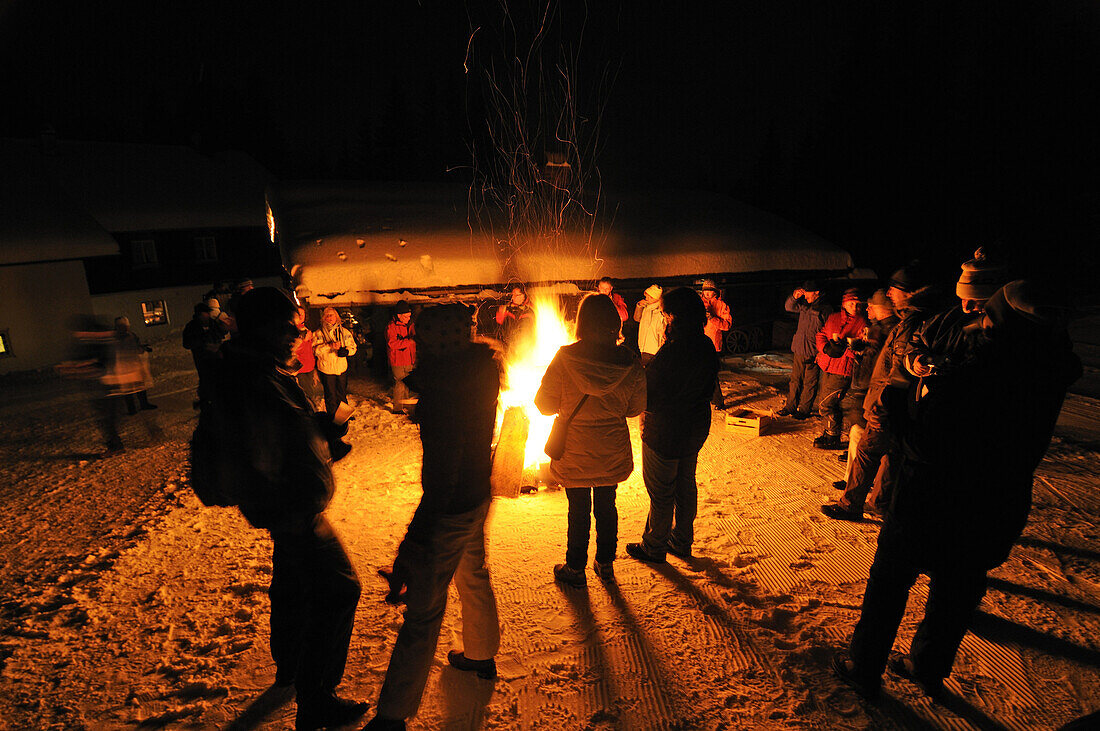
[(464, 698), (265, 704), (1058, 547), (997, 629), (1043, 596), (581, 605)]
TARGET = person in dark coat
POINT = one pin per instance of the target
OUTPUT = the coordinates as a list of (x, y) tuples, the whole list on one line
[(279, 455), (679, 384), (837, 362), (874, 465), (812, 311), (458, 382), (597, 457), (203, 336), (975, 432)]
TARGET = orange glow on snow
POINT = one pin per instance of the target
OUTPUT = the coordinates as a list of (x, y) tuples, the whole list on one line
[(526, 364)]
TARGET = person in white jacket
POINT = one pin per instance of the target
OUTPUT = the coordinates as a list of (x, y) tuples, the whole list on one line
[(651, 323), (333, 344)]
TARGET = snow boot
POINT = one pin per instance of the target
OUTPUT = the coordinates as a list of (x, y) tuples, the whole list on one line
[(638, 551), (827, 441), (326, 710), (605, 571), (847, 671), (485, 669), (570, 576)]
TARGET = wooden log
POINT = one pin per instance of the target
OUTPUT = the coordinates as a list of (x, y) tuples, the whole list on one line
[(508, 456)]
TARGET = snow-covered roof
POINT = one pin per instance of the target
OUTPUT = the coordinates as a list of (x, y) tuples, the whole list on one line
[(349, 242), (141, 187), (38, 220)]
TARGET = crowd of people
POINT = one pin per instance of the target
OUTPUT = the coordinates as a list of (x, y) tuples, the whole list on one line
[(932, 443)]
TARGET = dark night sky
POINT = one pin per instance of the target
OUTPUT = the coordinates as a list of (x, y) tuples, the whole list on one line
[(891, 128)]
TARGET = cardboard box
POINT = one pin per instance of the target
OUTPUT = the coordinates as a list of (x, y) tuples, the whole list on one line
[(747, 422)]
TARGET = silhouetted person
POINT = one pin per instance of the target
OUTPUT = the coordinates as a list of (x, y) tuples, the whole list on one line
[(976, 430), (515, 319), (679, 386), (876, 460), (458, 382), (812, 311), (203, 336), (278, 454), (597, 455)]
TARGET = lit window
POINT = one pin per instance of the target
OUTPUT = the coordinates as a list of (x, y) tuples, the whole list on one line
[(144, 252), (205, 249), (5, 345), (154, 313)]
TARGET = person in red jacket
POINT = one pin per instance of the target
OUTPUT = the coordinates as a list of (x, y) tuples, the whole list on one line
[(837, 362), (307, 372), (719, 321), (606, 286), (402, 351)]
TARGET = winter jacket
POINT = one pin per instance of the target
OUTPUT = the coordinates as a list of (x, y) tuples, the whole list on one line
[(973, 436), (597, 443), (269, 440), (204, 339), (943, 337), (845, 326), (327, 341), (400, 345), (811, 318), (651, 326), (304, 353), (457, 415), (719, 321), (867, 349), (679, 387), (620, 305), (889, 370)]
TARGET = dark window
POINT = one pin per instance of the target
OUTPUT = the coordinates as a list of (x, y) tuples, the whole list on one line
[(144, 252), (205, 249), (154, 313), (5, 345)]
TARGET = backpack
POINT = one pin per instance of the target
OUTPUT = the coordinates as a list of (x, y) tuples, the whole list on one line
[(211, 482)]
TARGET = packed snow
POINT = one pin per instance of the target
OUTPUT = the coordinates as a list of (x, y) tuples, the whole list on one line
[(128, 604)]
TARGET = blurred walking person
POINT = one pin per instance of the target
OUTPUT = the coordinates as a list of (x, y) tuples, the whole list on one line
[(333, 344), (276, 454), (600, 383), (458, 382), (91, 354), (679, 385), (651, 323), (132, 357), (812, 312), (401, 350)]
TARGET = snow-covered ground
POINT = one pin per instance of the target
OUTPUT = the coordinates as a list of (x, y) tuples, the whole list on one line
[(124, 603)]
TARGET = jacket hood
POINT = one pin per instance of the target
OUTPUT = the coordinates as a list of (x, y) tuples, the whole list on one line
[(596, 369), (925, 298)]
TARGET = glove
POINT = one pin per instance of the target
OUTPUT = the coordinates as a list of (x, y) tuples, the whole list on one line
[(834, 348), (342, 352)]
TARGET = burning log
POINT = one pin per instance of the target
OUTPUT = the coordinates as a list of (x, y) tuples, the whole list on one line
[(510, 451)]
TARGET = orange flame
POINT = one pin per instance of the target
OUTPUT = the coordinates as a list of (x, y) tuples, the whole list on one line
[(526, 364)]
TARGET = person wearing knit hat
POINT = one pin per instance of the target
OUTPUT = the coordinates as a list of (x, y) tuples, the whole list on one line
[(812, 311), (651, 323), (458, 382), (976, 430), (401, 349), (837, 362), (942, 340)]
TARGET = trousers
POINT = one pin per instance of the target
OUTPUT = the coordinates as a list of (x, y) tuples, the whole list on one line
[(456, 550), (673, 498), (585, 502), (314, 592), (803, 388)]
